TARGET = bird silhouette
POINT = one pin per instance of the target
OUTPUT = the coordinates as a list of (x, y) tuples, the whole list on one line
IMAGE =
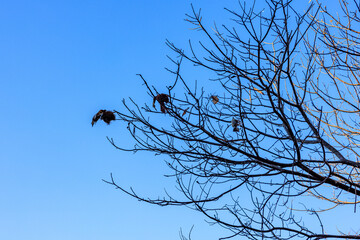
[(106, 116), (162, 99)]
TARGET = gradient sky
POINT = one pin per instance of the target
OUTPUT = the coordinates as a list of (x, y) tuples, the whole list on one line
[(60, 62)]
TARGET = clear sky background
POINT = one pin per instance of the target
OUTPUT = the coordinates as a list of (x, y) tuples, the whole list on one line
[(60, 62)]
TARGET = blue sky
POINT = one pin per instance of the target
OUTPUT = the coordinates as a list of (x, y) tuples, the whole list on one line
[(60, 62)]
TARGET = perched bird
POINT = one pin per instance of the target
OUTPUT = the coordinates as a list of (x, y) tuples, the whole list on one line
[(106, 116), (162, 99), (235, 123)]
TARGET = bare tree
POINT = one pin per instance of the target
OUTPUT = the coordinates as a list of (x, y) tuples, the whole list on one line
[(336, 90), (280, 129)]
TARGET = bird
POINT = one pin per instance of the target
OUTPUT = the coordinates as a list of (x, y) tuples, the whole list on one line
[(235, 124), (106, 116), (162, 99)]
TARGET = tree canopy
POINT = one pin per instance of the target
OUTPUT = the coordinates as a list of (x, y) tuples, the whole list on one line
[(280, 127)]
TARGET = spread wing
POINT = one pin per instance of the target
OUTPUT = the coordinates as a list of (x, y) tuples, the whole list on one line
[(96, 117), (154, 102)]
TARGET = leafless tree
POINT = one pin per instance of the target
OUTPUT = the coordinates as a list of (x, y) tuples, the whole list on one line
[(336, 90), (281, 129)]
